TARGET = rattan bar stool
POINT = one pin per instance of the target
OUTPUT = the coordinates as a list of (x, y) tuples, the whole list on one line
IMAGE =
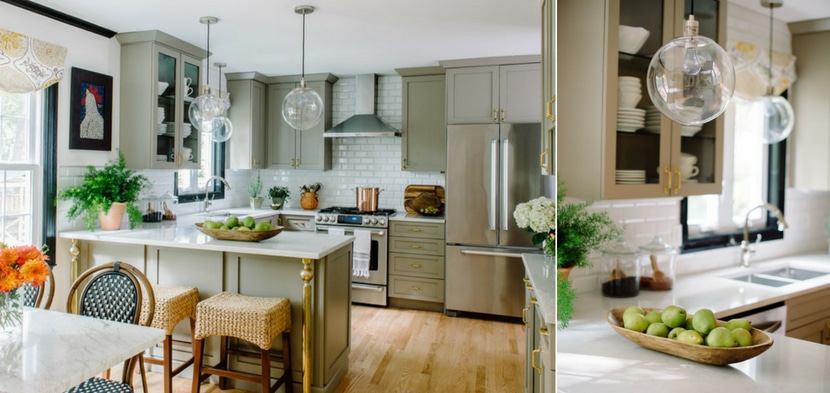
[(173, 304), (257, 320)]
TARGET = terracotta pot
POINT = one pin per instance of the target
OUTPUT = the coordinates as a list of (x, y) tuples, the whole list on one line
[(564, 272), (308, 200), (112, 220)]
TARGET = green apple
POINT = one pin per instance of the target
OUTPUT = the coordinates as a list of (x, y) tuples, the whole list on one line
[(249, 222), (674, 332), (658, 329), (690, 336), (634, 309), (232, 222), (743, 336), (704, 321), (733, 324), (689, 325), (635, 322), (654, 316), (721, 337), (263, 226), (674, 316)]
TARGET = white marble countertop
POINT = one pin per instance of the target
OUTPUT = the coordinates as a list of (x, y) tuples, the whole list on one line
[(289, 244), (542, 274), (592, 357), (58, 350)]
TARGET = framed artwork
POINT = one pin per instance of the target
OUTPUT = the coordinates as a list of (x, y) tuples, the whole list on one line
[(90, 112)]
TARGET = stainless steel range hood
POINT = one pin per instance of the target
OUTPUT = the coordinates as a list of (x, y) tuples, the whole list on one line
[(364, 123)]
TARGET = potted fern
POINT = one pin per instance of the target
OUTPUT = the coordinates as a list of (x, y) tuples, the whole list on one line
[(106, 194), (254, 189)]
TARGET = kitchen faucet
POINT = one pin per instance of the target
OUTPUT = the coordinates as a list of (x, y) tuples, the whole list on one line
[(207, 190), (745, 250)]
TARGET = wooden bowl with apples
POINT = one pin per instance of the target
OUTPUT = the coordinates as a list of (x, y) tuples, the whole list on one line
[(698, 352)]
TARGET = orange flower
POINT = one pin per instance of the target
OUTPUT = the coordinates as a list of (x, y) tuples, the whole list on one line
[(20, 265)]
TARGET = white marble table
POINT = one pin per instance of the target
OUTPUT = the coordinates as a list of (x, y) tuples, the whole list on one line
[(59, 350)]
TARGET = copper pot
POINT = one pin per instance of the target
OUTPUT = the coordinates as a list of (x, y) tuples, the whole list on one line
[(366, 198)]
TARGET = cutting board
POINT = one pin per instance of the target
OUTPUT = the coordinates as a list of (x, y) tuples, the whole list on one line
[(413, 190)]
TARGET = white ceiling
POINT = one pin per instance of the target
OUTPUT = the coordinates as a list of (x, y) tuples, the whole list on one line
[(344, 37), (349, 37)]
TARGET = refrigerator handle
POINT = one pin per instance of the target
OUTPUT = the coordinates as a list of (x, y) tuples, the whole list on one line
[(505, 184), (491, 253), (494, 168)]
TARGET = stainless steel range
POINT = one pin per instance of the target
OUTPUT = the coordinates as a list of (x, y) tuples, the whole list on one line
[(371, 290)]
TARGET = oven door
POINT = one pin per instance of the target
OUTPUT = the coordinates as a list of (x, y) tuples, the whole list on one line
[(378, 255)]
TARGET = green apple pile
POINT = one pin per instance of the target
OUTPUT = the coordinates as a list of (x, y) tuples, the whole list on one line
[(700, 328), (234, 223)]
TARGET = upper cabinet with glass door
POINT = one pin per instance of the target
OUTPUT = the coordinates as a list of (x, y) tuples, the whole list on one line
[(160, 77), (612, 143)]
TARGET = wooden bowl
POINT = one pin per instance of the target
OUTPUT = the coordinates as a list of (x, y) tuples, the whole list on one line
[(242, 236), (698, 353)]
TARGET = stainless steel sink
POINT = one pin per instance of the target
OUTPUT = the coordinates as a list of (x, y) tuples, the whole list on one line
[(779, 277)]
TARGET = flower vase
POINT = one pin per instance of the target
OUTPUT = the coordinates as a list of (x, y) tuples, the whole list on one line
[(11, 313)]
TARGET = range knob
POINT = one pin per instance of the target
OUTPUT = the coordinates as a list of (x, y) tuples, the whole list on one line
[(319, 218), (381, 222), (373, 220), (329, 218)]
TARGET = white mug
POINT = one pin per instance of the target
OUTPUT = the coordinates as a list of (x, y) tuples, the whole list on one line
[(687, 171), (188, 90), (687, 159)]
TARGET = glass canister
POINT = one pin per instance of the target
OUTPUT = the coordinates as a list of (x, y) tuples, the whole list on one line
[(657, 265), (150, 208), (169, 203), (619, 274)]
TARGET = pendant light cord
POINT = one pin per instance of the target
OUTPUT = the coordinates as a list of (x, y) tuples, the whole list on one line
[(207, 72), (692, 11), (303, 70), (770, 49)]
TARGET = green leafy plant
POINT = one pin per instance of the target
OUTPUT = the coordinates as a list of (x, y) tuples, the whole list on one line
[(279, 192), (255, 186), (565, 297), (101, 188), (579, 231)]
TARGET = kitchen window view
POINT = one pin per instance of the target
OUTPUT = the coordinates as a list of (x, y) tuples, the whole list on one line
[(190, 183), (713, 221)]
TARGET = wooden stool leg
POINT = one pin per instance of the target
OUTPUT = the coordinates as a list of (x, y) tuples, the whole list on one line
[(168, 364), (265, 378), (223, 359), (286, 363), (198, 346)]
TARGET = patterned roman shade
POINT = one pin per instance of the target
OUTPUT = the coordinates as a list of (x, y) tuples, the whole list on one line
[(752, 69), (28, 64)]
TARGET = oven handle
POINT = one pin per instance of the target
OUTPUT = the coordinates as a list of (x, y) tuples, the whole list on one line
[(368, 287), (491, 253), (350, 230)]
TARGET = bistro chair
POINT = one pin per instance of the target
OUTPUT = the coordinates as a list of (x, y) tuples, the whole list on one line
[(113, 292), (257, 320), (33, 296)]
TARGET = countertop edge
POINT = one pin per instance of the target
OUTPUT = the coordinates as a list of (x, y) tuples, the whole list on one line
[(541, 271)]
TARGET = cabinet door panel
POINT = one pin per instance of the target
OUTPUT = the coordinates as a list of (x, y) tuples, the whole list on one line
[(280, 134), (520, 91), (472, 95), (424, 132)]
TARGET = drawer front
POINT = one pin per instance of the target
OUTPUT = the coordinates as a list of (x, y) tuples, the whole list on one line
[(297, 223), (423, 230), (427, 266), (416, 246), (416, 288)]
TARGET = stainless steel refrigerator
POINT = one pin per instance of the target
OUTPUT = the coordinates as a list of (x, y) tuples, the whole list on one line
[(490, 169)]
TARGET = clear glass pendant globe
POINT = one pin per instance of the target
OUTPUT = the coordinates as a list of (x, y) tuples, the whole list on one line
[(691, 80), (207, 112), (224, 132), (302, 108), (778, 118)]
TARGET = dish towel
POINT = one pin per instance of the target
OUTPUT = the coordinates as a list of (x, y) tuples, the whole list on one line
[(362, 253)]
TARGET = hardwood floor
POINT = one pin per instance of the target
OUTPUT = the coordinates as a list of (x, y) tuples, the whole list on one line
[(397, 350)]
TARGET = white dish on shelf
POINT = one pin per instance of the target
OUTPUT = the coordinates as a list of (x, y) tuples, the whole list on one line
[(626, 128)]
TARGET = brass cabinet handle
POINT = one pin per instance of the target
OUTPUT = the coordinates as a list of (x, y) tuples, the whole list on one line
[(403, 163), (415, 265), (679, 181), (524, 316), (415, 246), (549, 109), (495, 116), (525, 279), (415, 230), (533, 360), (668, 174), (414, 288), (533, 300), (543, 330), (502, 115), (542, 159)]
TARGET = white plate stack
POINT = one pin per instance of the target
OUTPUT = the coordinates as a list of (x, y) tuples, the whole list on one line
[(187, 130), (689, 130), (629, 93), (652, 120), (631, 176), (160, 115)]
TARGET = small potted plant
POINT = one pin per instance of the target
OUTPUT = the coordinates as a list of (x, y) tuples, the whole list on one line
[(254, 189), (278, 195), (106, 194)]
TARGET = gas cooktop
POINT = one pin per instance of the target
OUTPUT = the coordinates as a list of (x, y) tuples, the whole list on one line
[(356, 211)]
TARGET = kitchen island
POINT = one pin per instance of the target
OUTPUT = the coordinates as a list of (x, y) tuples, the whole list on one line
[(592, 357), (313, 270)]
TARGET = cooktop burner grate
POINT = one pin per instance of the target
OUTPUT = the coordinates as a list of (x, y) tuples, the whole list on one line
[(354, 210)]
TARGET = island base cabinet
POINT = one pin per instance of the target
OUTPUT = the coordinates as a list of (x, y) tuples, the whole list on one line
[(808, 317), (213, 272)]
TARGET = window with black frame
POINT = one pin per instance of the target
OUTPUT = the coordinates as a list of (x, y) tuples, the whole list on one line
[(755, 175), (190, 184)]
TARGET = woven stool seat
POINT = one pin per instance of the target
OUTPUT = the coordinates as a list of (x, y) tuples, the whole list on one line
[(258, 320), (173, 304)]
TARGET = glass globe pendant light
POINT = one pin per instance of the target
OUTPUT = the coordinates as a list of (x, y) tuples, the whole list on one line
[(691, 79), (302, 108), (778, 114), (206, 110), (223, 132)]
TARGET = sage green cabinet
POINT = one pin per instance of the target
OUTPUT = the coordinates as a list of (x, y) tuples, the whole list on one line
[(548, 153), (160, 77), (288, 148), (246, 148), (540, 347), (423, 124), (416, 265), (500, 93)]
